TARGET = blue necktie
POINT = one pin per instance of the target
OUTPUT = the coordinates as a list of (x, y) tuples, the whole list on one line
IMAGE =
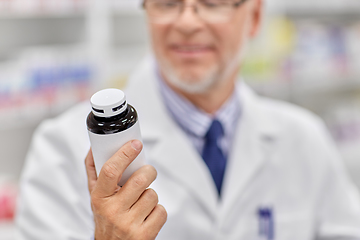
[(212, 154)]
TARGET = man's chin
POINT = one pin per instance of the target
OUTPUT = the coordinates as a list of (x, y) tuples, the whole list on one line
[(192, 84), (190, 79)]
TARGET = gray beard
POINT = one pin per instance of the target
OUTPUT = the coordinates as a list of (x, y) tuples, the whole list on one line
[(212, 78), (215, 76), (187, 83)]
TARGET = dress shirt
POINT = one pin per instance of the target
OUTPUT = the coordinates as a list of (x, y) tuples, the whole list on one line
[(195, 122)]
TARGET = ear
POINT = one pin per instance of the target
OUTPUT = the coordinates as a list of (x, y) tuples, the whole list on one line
[(256, 17)]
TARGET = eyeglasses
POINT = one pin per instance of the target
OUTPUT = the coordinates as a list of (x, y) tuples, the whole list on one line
[(212, 11)]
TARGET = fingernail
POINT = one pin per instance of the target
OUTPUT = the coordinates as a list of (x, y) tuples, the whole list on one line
[(136, 144)]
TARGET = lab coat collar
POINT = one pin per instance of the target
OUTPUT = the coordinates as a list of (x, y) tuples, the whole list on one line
[(172, 151)]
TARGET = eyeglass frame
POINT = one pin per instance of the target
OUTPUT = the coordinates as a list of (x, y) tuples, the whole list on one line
[(235, 4)]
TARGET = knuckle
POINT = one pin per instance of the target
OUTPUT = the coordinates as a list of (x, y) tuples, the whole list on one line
[(125, 154), (140, 180), (110, 170)]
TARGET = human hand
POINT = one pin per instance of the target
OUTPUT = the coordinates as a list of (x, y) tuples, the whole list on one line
[(130, 212)]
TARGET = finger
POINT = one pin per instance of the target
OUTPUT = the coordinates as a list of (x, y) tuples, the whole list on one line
[(113, 169), (136, 185), (155, 221), (90, 171), (145, 205)]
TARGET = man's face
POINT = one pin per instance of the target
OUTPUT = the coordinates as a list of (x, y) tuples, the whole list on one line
[(195, 55)]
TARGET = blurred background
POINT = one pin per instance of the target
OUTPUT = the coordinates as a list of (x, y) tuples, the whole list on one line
[(56, 53)]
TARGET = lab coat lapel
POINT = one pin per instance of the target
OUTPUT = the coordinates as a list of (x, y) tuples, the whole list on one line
[(171, 151), (175, 155), (253, 144)]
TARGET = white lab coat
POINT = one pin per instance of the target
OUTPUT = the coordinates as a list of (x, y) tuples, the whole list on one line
[(282, 159)]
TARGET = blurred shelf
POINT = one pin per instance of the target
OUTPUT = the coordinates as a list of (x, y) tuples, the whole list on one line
[(297, 88), (129, 56), (20, 34), (128, 12), (41, 15), (129, 30), (28, 117), (323, 12), (315, 87), (272, 89)]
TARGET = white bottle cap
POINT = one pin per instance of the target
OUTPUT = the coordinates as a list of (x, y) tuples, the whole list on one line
[(108, 102)]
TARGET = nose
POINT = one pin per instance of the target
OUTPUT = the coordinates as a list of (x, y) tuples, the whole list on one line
[(188, 21)]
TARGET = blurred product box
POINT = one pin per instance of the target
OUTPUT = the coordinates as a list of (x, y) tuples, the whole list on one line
[(320, 53), (321, 6), (304, 52), (42, 82), (267, 58)]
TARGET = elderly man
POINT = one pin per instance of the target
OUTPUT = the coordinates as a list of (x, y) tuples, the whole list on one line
[(229, 164)]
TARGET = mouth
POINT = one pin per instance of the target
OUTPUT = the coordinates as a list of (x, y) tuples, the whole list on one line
[(191, 50)]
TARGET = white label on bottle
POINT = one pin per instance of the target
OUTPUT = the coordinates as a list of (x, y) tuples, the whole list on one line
[(104, 146)]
